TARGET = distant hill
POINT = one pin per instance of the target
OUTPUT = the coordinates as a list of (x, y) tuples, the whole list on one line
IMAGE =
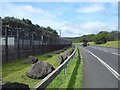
[(99, 38)]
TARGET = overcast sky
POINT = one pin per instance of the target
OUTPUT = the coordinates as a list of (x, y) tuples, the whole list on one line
[(72, 18)]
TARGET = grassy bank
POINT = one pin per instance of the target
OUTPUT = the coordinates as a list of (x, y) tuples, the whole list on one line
[(16, 71), (73, 78), (109, 44)]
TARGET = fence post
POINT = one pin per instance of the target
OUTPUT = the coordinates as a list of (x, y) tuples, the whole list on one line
[(42, 39), (33, 43), (65, 71), (39, 44), (6, 43), (28, 43), (18, 43)]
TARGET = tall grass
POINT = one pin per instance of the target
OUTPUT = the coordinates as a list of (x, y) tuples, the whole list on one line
[(73, 77)]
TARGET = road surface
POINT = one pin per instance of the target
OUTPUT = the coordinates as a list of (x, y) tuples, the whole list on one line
[(100, 67)]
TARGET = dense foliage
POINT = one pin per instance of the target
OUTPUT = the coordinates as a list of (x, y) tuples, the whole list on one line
[(87, 38), (104, 36), (27, 27), (100, 38)]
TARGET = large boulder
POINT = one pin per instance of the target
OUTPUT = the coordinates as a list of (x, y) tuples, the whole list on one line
[(14, 86), (70, 52), (40, 70), (62, 58), (65, 48), (32, 60), (62, 50), (57, 52)]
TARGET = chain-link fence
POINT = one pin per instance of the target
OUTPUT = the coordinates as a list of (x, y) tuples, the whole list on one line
[(17, 44)]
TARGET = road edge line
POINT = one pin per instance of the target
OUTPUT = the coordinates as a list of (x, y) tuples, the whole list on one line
[(117, 75)]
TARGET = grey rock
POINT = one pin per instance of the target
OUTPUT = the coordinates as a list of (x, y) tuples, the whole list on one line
[(60, 59), (40, 70), (14, 86), (64, 56), (57, 52), (70, 51), (62, 50), (65, 48), (32, 60)]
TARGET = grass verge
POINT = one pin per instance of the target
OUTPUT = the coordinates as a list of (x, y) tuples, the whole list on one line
[(109, 44), (73, 78), (16, 71)]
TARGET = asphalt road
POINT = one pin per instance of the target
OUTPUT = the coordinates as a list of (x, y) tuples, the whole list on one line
[(100, 67)]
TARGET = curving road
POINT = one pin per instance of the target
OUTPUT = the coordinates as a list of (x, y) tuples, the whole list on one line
[(100, 67)]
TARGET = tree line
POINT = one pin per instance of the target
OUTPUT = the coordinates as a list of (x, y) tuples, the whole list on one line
[(25, 27), (99, 38)]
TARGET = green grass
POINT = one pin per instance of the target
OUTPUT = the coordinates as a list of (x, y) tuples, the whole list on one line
[(73, 78), (20, 64), (16, 71), (21, 77), (77, 43), (92, 43), (13, 67), (0, 73), (109, 44)]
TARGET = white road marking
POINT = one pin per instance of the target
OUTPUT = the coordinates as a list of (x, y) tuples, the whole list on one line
[(117, 75), (105, 51), (116, 54)]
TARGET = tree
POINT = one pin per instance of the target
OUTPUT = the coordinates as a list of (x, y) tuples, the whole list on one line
[(110, 36), (27, 27), (101, 37)]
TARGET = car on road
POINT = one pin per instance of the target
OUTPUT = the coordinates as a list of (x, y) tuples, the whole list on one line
[(84, 43)]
